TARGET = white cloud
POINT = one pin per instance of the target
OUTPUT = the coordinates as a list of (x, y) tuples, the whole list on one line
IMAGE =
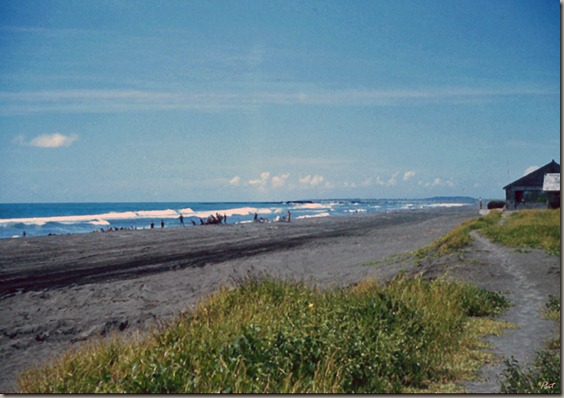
[(312, 181), (266, 181), (235, 181), (262, 181), (439, 182), (279, 181), (530, 169), (392, 181), (408, 175), (55, 140)]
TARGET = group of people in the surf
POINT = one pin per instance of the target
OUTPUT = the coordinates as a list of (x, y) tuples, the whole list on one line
[(212, 220)]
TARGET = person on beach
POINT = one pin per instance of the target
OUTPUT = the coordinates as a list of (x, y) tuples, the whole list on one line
[(181, 220), (480, 203), (224, 218), (256, 217), (288, 216), (162, 223), (152, 224), (193, 223)]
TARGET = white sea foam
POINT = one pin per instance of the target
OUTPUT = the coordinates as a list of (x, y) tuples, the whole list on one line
[(99, 222), (356, 211), (311, 206), (313, 216), (447, 204), (157, 214), (92, 218)]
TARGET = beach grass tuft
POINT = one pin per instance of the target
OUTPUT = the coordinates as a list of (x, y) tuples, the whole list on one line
[(272, 336)]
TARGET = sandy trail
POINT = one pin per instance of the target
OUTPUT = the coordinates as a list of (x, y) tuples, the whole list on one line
[(529, 280), (526, 278)]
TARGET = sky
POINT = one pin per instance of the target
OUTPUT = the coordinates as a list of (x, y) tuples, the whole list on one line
[(109, 101)]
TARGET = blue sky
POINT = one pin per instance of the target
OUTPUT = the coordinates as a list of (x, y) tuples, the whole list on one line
[(275, 100)]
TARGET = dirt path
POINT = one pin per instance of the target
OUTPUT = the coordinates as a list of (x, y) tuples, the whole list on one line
[(530, 279), (527, 278)]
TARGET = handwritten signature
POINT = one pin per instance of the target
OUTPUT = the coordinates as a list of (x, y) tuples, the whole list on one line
[(546, 385)]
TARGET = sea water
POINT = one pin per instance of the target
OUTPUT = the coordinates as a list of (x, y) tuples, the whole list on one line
[(39, 219)]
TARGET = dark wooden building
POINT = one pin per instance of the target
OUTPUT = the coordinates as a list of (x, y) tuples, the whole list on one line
[(551, 187), (528, 191)]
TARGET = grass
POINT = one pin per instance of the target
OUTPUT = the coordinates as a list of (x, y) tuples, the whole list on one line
[(524, 229), (529, 228), (269, 336), (459, 237), (552, 308)]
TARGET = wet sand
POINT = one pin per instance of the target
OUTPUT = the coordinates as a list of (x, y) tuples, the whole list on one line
[(57, 292)]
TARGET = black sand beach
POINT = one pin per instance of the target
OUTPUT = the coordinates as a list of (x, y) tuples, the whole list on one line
[(59, 291)]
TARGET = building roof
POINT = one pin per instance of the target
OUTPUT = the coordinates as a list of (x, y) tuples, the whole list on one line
[(536, 178), (551, 182)]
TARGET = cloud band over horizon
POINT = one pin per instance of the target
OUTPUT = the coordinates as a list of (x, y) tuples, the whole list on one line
[(110, 101)]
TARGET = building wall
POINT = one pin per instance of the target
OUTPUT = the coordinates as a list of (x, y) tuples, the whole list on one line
[(525, 197)]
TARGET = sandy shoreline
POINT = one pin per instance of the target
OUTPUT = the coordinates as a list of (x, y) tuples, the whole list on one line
[(58, 261), (58, 291)]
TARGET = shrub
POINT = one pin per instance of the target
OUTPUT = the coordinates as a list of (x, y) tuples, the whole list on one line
[(543, 377), (496, 204)]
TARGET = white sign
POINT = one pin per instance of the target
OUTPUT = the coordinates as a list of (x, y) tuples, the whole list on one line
[(551, 182)]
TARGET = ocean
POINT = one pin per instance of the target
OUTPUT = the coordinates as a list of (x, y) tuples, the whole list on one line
[(40, 219)]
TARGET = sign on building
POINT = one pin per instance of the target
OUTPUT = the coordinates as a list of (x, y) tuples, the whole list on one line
[(551, 182)]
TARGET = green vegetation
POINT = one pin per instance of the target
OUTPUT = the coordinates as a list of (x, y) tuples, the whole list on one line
[(523, 229), (552, 310), (268, 336), (529, 228), (459, 237), (496, 204), (542, 378)]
